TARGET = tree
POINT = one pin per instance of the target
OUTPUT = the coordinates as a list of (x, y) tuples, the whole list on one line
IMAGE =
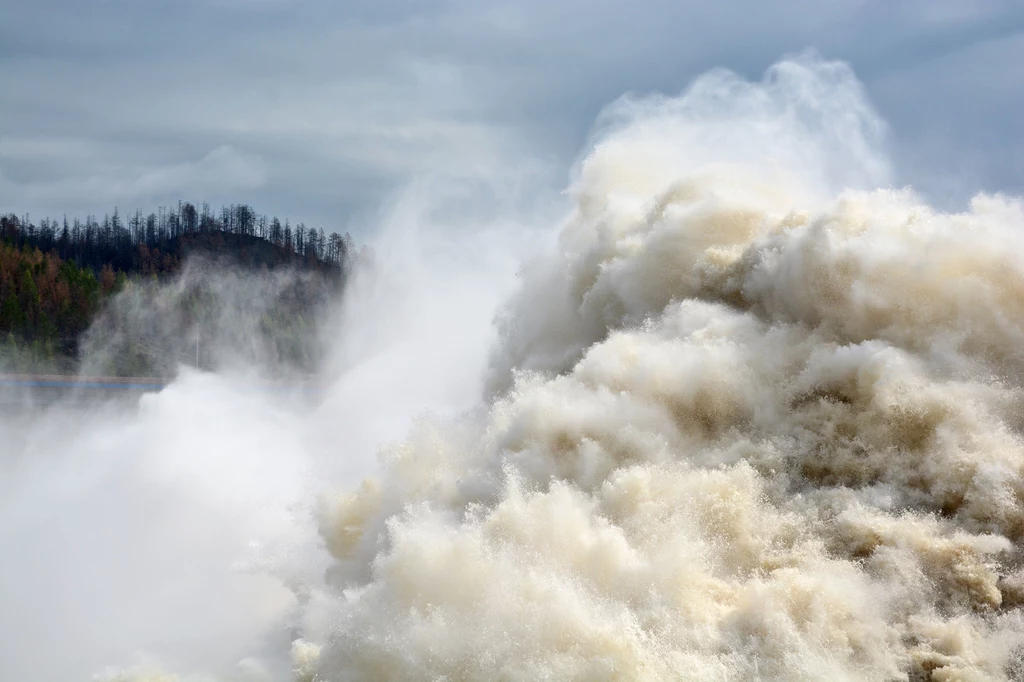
[(65, 238), (107, 279), (151, 228), (29, 296), (276, 232), (11, 319), (189, 218)]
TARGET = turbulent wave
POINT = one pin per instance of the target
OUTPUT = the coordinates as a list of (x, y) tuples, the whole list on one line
[(758, 416), (746, 425)]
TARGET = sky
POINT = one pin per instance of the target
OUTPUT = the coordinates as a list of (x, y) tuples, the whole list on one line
[(319, 110)]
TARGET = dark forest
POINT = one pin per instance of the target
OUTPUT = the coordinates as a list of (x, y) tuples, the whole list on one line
[(56, 275)]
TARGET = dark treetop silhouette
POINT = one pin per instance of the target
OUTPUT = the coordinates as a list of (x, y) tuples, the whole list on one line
[(56, 276)]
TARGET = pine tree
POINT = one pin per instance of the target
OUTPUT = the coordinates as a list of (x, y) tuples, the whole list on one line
[(11, 319)]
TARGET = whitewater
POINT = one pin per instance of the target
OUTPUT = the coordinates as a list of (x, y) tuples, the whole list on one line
[(754, 412)]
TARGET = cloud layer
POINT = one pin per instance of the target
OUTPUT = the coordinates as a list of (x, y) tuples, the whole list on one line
[(317, 109)]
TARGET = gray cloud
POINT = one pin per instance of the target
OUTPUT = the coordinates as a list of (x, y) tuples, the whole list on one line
[(223, 170), (316, 109)]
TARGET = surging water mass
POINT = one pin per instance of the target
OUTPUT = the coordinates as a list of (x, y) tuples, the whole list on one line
[(757, 415)]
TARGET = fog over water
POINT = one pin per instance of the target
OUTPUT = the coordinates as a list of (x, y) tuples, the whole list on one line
[(742, 408)]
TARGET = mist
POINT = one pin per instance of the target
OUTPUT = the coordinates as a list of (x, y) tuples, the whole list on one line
[(176, 531), (736, 406)]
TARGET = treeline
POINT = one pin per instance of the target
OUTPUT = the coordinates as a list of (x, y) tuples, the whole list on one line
[(55, 275), (213, 318), (150, 243), (46, 303)]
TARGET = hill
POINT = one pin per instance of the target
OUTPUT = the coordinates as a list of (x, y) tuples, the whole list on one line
[(57, 280)]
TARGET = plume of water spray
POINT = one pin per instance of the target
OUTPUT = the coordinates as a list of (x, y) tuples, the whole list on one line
[(177, 534), (755, 418), (756, 415)]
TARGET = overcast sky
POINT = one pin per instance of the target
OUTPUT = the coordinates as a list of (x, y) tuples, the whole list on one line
[(316, 109)]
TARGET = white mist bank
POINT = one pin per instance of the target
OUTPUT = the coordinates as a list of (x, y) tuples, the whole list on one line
[(181, 534), (756, 415)]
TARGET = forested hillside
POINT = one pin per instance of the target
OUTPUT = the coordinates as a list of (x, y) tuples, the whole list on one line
[(56, 276)]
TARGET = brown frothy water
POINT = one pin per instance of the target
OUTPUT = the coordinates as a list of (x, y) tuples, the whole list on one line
[(743, 429)]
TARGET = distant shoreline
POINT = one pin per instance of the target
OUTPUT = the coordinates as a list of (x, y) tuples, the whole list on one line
[(137, 383)]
